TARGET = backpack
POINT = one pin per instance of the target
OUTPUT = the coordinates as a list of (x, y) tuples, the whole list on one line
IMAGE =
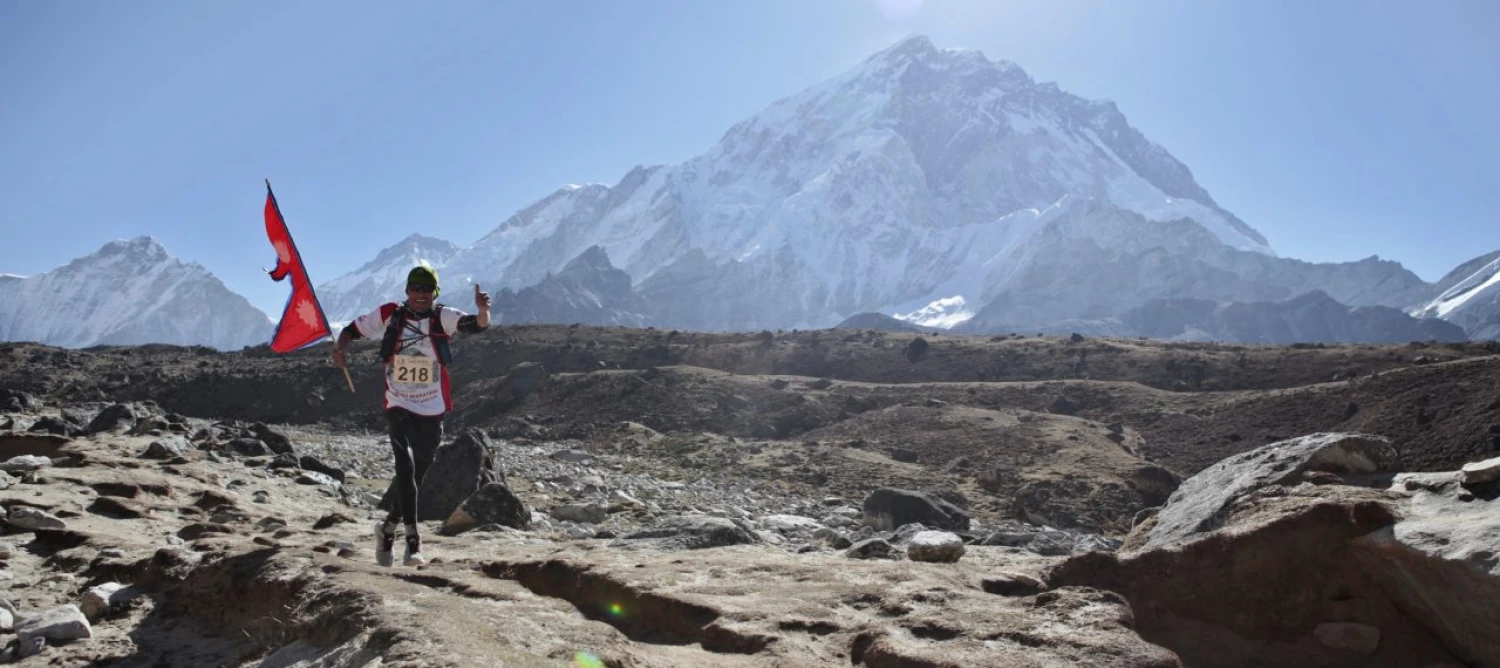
[(434, 331)]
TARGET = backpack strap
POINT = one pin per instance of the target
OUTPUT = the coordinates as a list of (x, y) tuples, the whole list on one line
[(435, 331), (393, 328), (439, 335)]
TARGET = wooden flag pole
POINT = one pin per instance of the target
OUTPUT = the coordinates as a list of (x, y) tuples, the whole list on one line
[(347, 378)]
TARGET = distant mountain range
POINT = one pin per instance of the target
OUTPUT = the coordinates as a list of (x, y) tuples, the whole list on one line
[(934, 186)]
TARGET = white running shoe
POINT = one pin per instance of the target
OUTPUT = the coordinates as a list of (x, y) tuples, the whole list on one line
[(413, 551), (385, 544)]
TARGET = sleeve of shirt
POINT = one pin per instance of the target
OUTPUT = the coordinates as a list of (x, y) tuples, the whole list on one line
[(450, 319), (372, 325)]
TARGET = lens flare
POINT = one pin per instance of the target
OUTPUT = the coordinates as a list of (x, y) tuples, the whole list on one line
[(586, 660), (616, 610)]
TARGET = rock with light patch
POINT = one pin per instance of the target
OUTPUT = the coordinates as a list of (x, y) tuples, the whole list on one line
[(54, 626), (26, 517), (1478, 473), (25, 463), (935, 546)]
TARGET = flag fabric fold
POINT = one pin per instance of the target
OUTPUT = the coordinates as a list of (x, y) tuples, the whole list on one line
[(302, 321)]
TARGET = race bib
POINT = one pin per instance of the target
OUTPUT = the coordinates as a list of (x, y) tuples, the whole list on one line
[(413, 370)]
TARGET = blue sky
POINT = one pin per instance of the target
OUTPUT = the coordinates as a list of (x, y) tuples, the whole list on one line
[(1340, 129)]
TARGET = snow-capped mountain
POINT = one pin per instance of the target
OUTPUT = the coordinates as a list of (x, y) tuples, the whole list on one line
[(1469, 296), (932, 183), (917, 179), (383, 279), (129, 292)]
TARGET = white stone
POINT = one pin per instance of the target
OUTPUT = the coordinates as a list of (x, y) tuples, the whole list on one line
[(787, 523), (937, 546), (98, 601)]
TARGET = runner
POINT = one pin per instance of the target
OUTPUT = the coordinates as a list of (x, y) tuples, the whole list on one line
[(414, 349)]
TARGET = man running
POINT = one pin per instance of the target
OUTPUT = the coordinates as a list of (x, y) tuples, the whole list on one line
[(414, 348)]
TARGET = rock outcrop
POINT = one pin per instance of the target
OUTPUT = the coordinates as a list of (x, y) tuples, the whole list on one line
[(1316, 554)]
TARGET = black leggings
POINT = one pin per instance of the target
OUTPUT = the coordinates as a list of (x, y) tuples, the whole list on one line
[(414, 441)]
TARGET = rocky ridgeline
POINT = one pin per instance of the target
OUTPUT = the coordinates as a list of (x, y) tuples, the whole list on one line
[(122, 523)]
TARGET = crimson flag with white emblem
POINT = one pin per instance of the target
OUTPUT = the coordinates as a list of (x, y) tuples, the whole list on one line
[(302, 322)]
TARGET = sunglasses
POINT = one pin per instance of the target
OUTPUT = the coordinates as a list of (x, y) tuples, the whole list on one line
[(417, 287)]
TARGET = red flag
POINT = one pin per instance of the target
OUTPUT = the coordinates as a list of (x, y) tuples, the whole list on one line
[(302, 322)]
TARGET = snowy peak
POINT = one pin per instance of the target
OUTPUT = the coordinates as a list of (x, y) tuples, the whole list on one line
[(1469, 298), (384, 278), (139, 249), (129, 292)]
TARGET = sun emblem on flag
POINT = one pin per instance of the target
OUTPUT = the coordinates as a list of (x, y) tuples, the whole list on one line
[(307, 312)]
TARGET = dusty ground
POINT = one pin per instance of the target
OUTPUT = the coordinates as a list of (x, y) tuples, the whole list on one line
[(231, 564)]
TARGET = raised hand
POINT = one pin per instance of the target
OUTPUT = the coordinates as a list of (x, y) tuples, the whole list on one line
[(481, 299)]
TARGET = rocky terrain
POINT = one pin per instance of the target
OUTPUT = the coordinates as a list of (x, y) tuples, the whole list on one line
[(626, 497)]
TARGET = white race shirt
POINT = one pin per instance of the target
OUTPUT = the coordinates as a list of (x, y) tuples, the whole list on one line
[(414, 380)]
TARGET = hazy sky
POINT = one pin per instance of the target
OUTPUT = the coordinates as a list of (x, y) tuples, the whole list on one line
[(1339, 129)]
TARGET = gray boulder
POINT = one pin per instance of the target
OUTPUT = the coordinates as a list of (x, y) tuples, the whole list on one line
[(58, 625), (116, 416), (167, 448), (459, 469), (1201, 503), (873, 548), (887, 509), (493, 503), (33, 519)]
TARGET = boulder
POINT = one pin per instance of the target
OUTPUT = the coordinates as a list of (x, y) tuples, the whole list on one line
[(276, 441), (25, 463), (33, 519), (458, 470), (249, 447), (935, 546), (1443, 543), (167, 448), (102, 600), (115, 416), (1340, 574), (1201, 503), (54, 626), (1478, 473), (493, 503), (311, 463), (887, 509), (522, 380), (872, 548)]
